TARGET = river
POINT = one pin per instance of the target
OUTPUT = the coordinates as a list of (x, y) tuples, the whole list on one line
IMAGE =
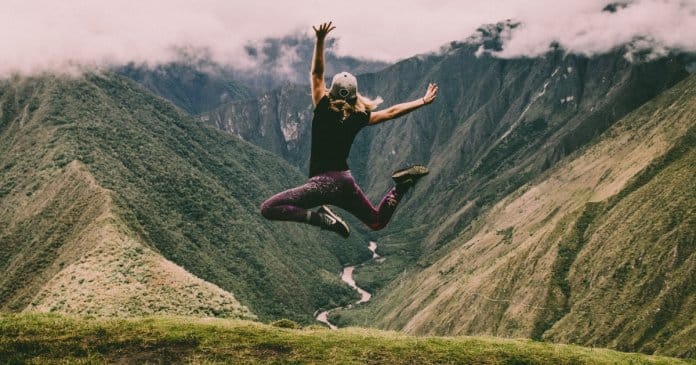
[(347, 277)]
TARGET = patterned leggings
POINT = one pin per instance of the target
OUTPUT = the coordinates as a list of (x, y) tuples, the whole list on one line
[(335, 188)]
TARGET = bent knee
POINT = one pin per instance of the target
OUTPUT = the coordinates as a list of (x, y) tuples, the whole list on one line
[(266, 210), (377, 226)]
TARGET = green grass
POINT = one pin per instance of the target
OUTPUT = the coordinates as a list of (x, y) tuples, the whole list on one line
[(43, 338)]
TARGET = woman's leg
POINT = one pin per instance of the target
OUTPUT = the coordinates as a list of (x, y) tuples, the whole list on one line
[(357, 203), (293, 204), (377, 218)]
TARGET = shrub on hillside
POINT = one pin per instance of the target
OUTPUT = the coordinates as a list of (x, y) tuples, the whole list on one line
[(286, 323)]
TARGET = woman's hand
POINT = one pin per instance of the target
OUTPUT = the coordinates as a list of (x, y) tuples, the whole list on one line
[(398, 110), (323, 30), (317, 71), (430, 94)]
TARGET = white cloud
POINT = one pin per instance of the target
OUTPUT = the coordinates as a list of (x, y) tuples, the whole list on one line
[(38, 35), (583, 28)]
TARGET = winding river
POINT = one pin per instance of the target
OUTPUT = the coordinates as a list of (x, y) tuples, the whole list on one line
[(347, 277)]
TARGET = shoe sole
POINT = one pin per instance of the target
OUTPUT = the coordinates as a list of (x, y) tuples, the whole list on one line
[(413, 171), (337, 218)]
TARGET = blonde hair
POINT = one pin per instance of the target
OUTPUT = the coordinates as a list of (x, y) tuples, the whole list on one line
[(361, 105)]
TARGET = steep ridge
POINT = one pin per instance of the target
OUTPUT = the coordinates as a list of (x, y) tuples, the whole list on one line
[(598, 251), (102, 181), (64, 249)]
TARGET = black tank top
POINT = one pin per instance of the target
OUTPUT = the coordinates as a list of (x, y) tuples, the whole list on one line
[(332, 137)]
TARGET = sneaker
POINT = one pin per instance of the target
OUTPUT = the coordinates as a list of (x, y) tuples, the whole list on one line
[(332, 222), (409, 176)]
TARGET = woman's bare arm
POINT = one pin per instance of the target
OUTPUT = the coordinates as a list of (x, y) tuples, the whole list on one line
[(317, 73), (398, 110)]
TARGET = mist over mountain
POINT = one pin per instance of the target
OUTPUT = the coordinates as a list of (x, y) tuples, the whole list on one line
[(197, 84), (288, 59), (71, 35), (194, 86)]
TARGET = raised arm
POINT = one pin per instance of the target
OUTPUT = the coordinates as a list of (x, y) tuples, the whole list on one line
[(317, 73), (398, 110)]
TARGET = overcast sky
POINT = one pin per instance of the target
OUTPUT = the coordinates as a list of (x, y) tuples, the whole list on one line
[(39, 35)]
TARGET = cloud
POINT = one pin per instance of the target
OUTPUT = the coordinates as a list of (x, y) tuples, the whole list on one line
[(590, 27), (48, 35)]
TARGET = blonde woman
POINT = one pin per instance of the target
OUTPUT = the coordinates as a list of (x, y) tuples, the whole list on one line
[(340, 112)]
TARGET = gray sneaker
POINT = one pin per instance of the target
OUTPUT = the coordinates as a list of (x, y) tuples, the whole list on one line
[(409, 176), (332, 222)]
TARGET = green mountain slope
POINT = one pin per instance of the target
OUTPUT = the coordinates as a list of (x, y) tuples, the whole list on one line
[(192, 87), (598, 251), (44, 338), (102, 181)]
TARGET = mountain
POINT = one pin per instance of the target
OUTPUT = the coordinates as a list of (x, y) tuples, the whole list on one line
[(278, 121), (597, 251), (496, 124), (113, 202), (199, 84), (486, 109), (558, 207), (287, 59), (498, 128), (192, 86)]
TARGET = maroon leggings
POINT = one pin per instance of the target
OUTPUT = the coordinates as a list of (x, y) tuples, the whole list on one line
[(335, 188)]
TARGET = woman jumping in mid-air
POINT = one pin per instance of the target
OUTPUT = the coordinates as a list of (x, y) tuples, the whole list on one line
[(339, 114)]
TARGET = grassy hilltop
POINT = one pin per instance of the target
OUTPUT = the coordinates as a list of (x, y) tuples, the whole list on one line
[(42, 338)]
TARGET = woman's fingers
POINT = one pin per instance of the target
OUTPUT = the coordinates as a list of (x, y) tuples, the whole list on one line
[(324, 28), (430, 93), (328, 27), (432, 88)]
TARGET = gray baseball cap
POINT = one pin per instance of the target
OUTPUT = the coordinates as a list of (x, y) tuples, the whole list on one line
[(344, 86)]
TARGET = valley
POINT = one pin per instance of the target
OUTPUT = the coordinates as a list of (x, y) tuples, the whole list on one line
[(347, 277), (559, 208)]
